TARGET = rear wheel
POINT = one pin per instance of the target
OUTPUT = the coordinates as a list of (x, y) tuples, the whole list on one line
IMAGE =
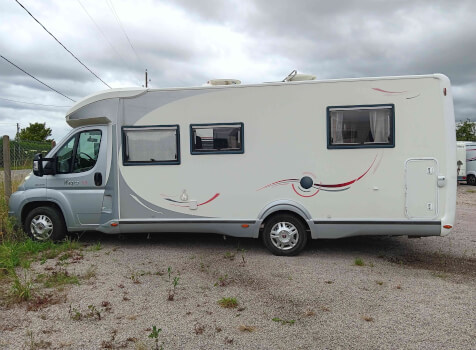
[(471, 180), (45, 223), (284, 234)]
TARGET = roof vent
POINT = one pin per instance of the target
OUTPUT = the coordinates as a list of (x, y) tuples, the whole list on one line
[(223, 82), (294, 76)]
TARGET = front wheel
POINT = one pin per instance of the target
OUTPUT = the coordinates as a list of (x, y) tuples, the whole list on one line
[(471, 180), (45, 223), (284, 235)]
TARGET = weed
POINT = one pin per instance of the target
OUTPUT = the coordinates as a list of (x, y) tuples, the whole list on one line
[(329, 282), (21, 291), (359, 262), (368, 318), (228, 303), (77, 315), (95, 247), (283, 322), (169, 271), (244, 328), (229, 256), (33, 345), (57, 279), (74, 313), (380, 283), (243, 261), (155, 335), (41, 301), (93, 312), (222, 281), (172, 292)]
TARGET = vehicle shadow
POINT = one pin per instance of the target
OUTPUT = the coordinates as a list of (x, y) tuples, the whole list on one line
[(396, 250)]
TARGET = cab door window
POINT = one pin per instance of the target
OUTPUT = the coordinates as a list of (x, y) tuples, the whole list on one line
[(80, 153), (87, 151)]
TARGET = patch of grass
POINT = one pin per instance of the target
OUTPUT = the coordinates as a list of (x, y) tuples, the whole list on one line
[(283, 322), (14, 253), (380, 283), (57, 279), (471, 191), (229, 256), (228, 303), (359, 262), (223, 281), (95, 247), (21, 290)]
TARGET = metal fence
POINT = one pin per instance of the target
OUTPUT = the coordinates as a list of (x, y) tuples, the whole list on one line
[(22, 152)]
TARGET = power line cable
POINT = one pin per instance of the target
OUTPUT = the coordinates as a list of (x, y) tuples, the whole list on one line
[(59, 42), (100, 31), (30, 103), (38, 80), (118, 20)]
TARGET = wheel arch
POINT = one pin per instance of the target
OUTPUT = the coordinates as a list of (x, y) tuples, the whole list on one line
[(28, 207), (287, 207)]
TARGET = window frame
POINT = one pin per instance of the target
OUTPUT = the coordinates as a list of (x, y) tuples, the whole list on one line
[(135, 163), (242, 135), (76, 137), (363, 107)]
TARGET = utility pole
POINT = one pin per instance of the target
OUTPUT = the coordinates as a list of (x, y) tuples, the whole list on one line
[(18, 132), (146, 79)]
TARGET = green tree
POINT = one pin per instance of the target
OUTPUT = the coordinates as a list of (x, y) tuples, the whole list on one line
[(35, 132), (466, 131)]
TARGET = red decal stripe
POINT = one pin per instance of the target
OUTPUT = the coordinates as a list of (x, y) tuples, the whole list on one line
[(208, 201), (350, 182), (312, 195), (389, 92)]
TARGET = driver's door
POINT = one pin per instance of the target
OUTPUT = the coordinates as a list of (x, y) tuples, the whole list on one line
[(80, 174)]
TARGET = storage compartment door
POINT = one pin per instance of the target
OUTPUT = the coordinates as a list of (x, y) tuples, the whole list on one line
[(421, 193)]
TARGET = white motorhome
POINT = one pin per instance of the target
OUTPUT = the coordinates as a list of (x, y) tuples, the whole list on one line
[(283, 161), (466, 161)]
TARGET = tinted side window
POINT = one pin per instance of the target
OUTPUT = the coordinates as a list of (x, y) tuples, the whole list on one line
[(87, 151), (80, 153), (65, 156), (360, 126), (151, 145), (216, 138)]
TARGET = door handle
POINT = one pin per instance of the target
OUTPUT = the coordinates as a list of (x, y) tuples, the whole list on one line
[(98, 179)]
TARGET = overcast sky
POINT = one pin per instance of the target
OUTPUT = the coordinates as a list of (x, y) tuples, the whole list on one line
[(187, 42)]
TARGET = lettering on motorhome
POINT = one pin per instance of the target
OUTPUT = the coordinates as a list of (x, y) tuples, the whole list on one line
[(71, 183)]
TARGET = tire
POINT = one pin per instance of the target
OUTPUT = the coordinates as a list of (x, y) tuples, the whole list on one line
[(284, 235), (45, 223), (471, 180)]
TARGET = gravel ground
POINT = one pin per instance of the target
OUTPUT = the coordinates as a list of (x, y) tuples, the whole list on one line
[(409, 294)]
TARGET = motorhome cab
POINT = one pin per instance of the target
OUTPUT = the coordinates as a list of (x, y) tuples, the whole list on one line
[(283, 161), (466, 161)]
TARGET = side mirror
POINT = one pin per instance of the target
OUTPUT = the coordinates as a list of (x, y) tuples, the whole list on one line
[(38, 165), (40, 169)]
